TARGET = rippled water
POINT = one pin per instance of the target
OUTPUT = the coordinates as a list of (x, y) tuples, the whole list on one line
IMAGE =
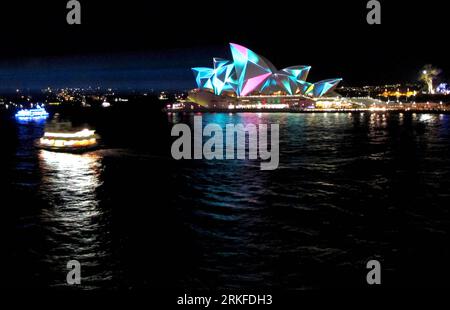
[(349, 188)]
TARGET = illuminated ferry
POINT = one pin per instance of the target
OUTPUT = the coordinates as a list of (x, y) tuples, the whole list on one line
[(38, 113), (62, 137)]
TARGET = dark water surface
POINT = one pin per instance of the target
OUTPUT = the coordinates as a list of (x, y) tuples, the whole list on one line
[(349, 188)]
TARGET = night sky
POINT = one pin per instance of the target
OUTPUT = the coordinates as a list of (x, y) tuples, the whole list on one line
[(153, 44)]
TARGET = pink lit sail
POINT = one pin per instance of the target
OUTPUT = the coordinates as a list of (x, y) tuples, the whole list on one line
[(253, 83), (240, 48)]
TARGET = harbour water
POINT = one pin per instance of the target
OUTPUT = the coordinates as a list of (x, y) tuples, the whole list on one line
[(350, 187)]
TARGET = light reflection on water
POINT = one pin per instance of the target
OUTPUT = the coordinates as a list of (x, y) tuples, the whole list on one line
[(71, 178), (427, 117), (338, 197), (73, 218)]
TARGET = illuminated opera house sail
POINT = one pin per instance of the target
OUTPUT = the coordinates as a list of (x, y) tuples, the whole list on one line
[(250, 74)]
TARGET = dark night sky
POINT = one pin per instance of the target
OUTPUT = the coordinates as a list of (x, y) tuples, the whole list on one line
[(153, 44)]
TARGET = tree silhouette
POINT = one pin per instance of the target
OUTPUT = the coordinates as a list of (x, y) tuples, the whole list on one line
[(428, 75)]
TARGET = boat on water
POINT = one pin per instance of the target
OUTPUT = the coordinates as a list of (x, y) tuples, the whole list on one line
[(37, 113), (63, 137)]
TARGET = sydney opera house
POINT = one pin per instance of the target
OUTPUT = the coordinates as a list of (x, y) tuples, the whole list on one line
[(251, 80)]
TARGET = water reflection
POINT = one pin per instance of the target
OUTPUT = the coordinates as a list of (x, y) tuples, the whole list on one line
[(427, 117), (73, 217), (348, 186), (71, 179)]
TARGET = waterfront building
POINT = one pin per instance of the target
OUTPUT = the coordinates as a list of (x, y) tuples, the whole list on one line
[(250, 79)]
